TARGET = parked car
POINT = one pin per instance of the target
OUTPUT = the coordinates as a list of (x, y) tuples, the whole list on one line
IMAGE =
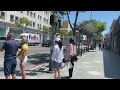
[(46, 43), (2, 40)]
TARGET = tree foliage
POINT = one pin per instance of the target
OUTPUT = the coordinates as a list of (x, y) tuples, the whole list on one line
[(23, 22), (62, 33), (98, 25)]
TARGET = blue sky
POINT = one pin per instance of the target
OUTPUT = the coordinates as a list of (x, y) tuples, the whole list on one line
[(104, 16)]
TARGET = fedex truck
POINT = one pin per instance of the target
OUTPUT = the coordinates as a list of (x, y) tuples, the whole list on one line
[(33, 39)]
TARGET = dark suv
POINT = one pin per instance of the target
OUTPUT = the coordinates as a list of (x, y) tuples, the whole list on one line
[(2, 40), (46, 43)]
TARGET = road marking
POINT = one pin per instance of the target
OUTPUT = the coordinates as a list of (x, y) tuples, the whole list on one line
[(97, 61), (94, 72), (86, 62)]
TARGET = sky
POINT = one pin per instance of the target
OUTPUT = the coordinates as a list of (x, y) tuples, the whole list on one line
[(104, 16)]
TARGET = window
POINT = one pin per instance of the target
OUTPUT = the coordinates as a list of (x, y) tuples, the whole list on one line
[(16, 18), (11, 18), (34, 15), (21, 11), (2, 15), (28, 13), (33, 24), (44, 20), (31, 14), (38, 17), (47, 21), (38, 26)]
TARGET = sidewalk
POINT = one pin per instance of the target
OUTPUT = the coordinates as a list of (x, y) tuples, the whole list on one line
[(89, 66)]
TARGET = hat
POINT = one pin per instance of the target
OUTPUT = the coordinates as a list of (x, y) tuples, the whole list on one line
[(71, 39), (57, 39)]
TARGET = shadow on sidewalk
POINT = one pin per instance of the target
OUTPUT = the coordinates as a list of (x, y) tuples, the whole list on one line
[(39, 58), (42, 70), (111, 64), (18, 73)]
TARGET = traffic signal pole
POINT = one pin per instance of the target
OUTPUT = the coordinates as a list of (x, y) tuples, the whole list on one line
[(52, 44)]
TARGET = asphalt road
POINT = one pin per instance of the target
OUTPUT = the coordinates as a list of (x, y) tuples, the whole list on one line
[(36, 56)]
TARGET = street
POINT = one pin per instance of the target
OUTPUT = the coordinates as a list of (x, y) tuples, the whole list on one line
[(37, 55)]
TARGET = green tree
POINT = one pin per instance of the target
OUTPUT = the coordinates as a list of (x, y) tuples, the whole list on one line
[(23, 22), (62, 33), (99, 27)]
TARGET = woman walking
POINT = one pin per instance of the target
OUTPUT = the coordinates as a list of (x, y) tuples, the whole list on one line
[(71, 52), (23, 56), (57, 57)]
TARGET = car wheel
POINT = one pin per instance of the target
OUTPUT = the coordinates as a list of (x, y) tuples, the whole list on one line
[(35, 44)]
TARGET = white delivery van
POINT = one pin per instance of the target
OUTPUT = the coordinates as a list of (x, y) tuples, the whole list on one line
[(33, 39)]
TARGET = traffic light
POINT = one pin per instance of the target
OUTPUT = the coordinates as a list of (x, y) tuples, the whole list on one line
[(52, 18), (59, 23), (55, 20)]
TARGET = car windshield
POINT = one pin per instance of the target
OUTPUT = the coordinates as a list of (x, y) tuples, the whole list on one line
[(47, 41)]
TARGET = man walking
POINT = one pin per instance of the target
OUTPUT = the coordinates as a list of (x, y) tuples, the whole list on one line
[(10, 47), (99, 45)]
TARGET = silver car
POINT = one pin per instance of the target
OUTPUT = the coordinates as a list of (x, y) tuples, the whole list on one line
[(2, 40)]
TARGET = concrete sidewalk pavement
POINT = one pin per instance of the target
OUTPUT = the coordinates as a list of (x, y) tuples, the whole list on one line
[(89, 66)]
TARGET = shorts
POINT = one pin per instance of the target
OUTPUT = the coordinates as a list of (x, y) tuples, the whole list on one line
[(10, 67), (24, 62), (57, 65)]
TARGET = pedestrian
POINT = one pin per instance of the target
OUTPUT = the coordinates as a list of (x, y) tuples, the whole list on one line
[(70, 53), (57, 57), (99, 45), (103, 45), (23, 56), (10, 47)]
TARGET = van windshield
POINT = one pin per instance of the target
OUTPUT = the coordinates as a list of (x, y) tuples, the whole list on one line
[(20, 37)]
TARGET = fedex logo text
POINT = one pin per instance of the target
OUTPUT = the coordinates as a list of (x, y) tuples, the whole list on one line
[(33, 37)]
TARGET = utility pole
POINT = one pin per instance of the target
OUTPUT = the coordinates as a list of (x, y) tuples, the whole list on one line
[(52, 43)]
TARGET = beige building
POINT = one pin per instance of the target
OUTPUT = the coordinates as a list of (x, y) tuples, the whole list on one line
[(66, 25)]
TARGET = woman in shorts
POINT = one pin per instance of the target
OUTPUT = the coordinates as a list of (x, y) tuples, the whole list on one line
[(23, 56), (57, 57)]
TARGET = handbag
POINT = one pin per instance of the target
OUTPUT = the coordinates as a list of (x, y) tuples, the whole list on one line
[(74, 57)]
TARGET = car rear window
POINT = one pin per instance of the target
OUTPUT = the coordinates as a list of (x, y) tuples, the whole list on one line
[(2, 38)]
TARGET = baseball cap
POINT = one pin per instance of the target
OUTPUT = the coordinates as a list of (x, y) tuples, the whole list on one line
[(57, 39)]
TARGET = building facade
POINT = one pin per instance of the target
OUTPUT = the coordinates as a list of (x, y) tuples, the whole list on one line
[(115, 35), (66, 25), (39, 19)]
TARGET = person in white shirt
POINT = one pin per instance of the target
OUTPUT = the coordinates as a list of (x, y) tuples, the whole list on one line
[(57, 57)]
